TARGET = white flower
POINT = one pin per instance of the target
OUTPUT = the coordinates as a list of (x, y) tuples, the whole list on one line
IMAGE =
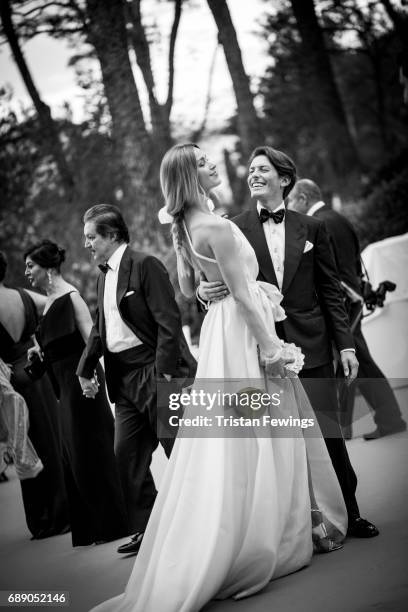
[(291, 351)]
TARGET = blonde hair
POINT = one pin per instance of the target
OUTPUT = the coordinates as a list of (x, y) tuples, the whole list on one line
[(180, 187)]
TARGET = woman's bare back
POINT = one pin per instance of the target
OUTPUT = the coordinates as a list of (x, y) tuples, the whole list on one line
[(12, 313), (200, 228)]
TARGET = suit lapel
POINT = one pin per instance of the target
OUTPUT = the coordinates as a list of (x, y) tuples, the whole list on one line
[(123, 276), (295, 239), (253, 230)]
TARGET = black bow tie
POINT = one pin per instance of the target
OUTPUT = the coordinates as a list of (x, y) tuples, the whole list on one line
[(104, 267), (277, 216)]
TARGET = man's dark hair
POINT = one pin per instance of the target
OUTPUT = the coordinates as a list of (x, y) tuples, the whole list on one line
[(3, 265), (282, 163), (108, 220)]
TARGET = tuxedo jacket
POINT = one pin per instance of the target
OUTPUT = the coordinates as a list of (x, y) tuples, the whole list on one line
[(345, 245), (146, 303), (312, 296)]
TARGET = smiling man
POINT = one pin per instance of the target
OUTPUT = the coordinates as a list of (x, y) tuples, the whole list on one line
[(293, 253), (138, 331)]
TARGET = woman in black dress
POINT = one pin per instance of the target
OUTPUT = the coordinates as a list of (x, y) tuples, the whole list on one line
[(44, 496), (95, 500)]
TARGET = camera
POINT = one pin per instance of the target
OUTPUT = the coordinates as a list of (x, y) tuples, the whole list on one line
[(374, 299)]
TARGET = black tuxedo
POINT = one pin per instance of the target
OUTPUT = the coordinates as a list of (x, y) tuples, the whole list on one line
[(146, 303), (371, 381), (151, 313), (345, 246), (316, 317), (312, 296)]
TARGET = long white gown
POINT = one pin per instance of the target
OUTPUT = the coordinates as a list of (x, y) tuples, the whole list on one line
[(232, 512)]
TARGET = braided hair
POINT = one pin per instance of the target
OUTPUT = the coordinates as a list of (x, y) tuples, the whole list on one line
[(180, 187)]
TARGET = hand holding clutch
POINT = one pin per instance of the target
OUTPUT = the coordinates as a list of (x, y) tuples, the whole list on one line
[(35, 367)]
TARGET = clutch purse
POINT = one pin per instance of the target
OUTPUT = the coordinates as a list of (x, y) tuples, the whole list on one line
[(35, 368)]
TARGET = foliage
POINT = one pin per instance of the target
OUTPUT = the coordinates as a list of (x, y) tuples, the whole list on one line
[(364, 50), (35, 207), (113, 160), (34, 204), (382, 210)]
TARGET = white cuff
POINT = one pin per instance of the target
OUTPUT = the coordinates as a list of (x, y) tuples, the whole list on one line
[(348, 349)]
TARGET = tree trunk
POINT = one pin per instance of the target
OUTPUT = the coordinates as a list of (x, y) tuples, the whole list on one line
[(325, 101), (248, 122), (133, 147), (51, 141), (172, 47), (137, 35)]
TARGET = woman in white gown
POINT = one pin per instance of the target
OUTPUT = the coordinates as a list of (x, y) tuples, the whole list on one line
[(232, 512)]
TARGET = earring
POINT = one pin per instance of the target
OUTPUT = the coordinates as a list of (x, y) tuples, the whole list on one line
[(50, 280)]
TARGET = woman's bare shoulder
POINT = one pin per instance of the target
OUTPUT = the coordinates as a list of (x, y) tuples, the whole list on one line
[(211, 230), (221, 228)]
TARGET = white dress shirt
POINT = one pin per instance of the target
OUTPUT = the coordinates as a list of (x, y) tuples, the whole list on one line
[(119, 336), (275, 239), (315, 207)]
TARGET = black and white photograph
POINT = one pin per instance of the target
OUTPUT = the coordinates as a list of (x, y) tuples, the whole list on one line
[(204, 305)]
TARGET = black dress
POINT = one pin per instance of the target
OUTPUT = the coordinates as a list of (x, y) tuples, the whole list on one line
[(95, 499), (44, 496)]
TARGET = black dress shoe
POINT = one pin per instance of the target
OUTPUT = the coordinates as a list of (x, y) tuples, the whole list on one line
[(360, 528), (133, 546), (380, 433)]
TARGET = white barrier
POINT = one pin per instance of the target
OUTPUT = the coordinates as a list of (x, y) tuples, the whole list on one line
[(386, 331)]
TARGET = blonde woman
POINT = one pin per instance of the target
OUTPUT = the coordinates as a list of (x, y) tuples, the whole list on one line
[(234, 508)]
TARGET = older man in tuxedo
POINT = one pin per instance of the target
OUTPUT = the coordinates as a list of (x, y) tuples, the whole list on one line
[(293, 253), (138, 331), (306, 198)]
